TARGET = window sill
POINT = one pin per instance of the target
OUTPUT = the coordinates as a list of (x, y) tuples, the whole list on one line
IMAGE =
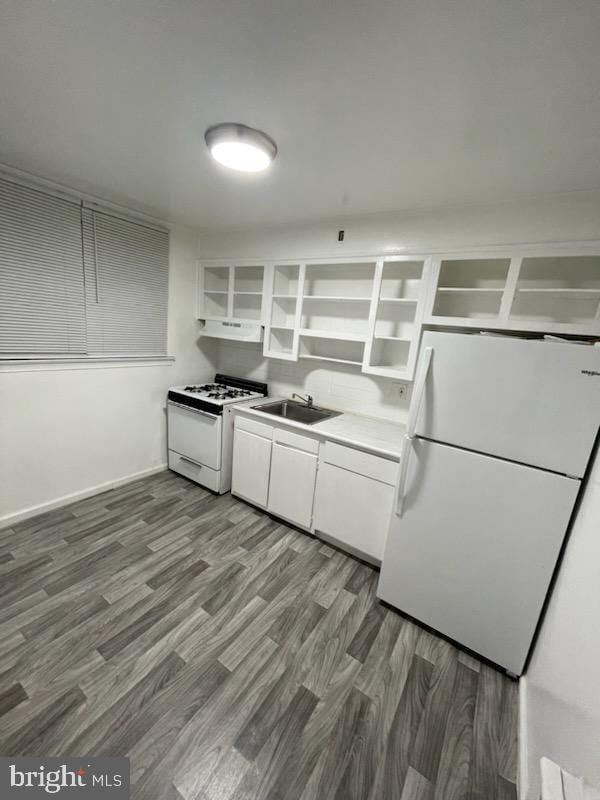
[(83, 362)]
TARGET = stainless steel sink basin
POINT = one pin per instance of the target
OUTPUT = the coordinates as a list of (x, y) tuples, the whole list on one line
[(297, 411)]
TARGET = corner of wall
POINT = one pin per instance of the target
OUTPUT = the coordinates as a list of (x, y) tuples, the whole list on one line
[(523, 763)]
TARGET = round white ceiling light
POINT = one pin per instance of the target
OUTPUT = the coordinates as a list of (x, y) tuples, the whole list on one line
[(239, 147)]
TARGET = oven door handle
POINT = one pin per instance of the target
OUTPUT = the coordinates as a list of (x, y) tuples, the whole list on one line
[(193, 410)]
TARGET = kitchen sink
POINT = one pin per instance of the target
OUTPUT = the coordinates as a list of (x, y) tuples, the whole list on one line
[(297, 411)]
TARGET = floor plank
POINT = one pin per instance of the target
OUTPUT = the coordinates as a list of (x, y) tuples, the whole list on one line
[(230, 656)]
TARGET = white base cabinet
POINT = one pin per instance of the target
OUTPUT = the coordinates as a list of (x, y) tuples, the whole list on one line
[(275, 469), (338, 491), (353, 503)]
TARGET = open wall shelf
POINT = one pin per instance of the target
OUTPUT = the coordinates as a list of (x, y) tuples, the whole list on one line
[(247, 306), (285, 279), (553, 293), (559, 290), (349, 317), (248, 279), (339, 280), (471, 288), (283, 311), (474, 273), (231, 292), (401, 280), (395, 318), (390, 355), (466, 303), (216, 279), (216, 305), (281, 342), (332, 350)]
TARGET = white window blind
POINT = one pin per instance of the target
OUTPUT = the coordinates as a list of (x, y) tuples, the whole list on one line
[(42, 309), (126, 285), (78, 280)]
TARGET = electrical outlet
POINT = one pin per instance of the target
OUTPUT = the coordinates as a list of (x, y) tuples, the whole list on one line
[(400, 389)]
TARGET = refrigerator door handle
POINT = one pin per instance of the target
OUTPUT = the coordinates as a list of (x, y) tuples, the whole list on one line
[(418, 393), (413, 416), (402, 473)]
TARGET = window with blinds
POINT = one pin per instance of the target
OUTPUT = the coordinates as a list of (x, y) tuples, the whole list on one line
[(126, 279), (42, 307), (76, 280)]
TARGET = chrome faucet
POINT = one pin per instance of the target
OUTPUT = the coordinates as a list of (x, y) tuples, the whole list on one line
[(308, 399)]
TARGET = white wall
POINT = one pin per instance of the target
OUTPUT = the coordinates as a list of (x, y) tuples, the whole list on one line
[(560, 696), (553, 218), (70, 429), (561, 693)]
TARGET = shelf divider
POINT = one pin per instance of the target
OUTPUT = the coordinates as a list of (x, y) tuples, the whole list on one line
[(337, 298), (330, 358), (340, 336)]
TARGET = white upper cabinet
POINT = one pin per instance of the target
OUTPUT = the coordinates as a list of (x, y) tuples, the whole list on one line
[(363, 313), (557, 293), (368, 312), (283, 288), (549, 290), (399, 294), (231, 292)]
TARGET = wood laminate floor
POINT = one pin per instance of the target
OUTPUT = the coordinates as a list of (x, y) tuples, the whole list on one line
[(231, 657)]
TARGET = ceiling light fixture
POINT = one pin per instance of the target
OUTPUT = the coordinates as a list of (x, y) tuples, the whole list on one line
[(239, 147)]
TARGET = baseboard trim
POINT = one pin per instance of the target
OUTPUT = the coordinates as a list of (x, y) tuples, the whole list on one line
[(9, 520), (523, 765)]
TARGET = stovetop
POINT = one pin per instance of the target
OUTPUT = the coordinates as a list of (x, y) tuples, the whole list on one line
[(212, 397), (218, 392)]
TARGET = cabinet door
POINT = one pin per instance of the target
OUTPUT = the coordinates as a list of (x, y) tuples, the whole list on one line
[(292, 486), (251, 464), (354, 509)]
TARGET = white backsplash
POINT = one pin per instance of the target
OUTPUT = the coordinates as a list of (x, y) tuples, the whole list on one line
[(334, 386)]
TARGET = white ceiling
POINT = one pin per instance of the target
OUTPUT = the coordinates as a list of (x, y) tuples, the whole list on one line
[(375, 105)]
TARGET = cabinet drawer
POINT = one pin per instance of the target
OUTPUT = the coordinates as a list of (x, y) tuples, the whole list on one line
[(296, 440), (252, 426), (376, 467), (196, 472)]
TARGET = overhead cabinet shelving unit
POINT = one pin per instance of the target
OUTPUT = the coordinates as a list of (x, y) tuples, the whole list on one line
[(362, 313), (367, 313)]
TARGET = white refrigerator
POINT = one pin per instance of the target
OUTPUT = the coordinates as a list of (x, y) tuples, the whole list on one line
[(500, 433)]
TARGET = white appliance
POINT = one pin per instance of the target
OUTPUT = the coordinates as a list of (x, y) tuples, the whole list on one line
[(239, 331), (200, 428), (499, 436)]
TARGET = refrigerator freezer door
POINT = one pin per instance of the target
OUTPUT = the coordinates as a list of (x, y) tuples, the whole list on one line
[(530, 401), (474, 551)]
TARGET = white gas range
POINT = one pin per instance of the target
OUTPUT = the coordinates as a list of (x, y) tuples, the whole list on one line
[(200, 428)]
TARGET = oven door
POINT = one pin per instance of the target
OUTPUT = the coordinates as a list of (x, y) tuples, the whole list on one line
[(195, 434)]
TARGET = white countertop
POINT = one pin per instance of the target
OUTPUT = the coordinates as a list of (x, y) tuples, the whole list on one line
[(367, 433)]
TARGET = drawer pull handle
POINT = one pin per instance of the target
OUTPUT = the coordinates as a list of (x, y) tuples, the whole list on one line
[(190, 461)]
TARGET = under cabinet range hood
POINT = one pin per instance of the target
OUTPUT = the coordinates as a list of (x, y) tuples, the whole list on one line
[(240, 331)]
